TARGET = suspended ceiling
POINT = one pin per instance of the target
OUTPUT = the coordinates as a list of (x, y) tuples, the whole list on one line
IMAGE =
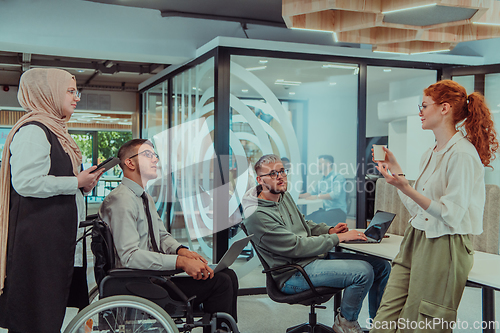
[(401, 26), (115, 44)]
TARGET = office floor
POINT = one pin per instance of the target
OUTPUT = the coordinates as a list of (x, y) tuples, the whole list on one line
[(258, 313)]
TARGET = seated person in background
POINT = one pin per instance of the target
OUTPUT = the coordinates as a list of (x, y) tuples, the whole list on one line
[(286, 162), (330, 189), (127, 215), (282, 236)]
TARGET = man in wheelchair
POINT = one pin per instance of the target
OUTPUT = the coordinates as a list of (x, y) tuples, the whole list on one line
[(142, 242)]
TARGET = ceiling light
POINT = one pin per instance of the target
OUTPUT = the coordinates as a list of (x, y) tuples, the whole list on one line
[(388, 52), (244, 90), (158, 103), (485, 23), (108, 64), (335, 37), (87, 115), (256, 68), (194, 88), (11, 108), (80, 70), (263, 61), (291, 93), (340, 66), (387, 70), (433, 51), (327, 31), (287, 83), (411, 8), (333, 83)]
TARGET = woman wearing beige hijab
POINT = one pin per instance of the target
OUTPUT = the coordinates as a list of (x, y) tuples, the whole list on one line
[(41, 202)]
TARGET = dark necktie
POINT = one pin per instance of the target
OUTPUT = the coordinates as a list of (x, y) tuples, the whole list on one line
[(145, 201)]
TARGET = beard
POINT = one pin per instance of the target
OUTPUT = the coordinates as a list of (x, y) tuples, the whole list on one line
[(273, 190)]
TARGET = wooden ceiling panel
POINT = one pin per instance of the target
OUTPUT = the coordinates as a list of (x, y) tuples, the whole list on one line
[(377, 35), (362, 21)]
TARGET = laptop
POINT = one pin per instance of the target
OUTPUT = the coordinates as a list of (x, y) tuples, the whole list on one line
[(229, 257), (231, 254), (378, 227)]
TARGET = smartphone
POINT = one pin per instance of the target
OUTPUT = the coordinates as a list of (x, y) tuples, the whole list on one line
[(108, 164)]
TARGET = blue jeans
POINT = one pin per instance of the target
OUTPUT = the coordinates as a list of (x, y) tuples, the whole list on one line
[(357, 273)]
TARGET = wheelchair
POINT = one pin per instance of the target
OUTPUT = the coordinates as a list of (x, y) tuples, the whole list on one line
[(132, 300)]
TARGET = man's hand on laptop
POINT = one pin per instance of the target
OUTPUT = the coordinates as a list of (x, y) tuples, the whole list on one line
[(339, 228), (351, 235), (195, 268), (191, 254)]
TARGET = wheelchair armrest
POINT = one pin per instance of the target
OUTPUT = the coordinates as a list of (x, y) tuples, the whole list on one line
[(130, 272), (294, 267), (88, 221)]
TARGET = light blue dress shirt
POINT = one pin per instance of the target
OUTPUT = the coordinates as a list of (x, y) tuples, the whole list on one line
[(334, 185)]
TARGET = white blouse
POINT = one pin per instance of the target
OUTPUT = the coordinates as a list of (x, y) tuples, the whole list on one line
[(453, 178), (30, 165)]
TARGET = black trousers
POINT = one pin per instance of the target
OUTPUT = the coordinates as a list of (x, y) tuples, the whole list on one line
[(331, 217), (218, 294)]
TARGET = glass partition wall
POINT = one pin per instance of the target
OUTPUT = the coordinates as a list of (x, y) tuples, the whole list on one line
[(393, 94), (213, 118)]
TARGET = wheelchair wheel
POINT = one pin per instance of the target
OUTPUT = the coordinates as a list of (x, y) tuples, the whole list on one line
[(122, 314), (93, 295)]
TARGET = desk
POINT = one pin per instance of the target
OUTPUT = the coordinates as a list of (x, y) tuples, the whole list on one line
[(484, 274), (309, 202), (309, 206)]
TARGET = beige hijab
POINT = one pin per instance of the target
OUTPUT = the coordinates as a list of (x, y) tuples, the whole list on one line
[(41, 93)]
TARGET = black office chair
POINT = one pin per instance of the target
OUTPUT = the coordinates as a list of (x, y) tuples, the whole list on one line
[(312, 297)]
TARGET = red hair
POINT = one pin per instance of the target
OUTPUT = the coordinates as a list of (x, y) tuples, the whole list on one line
[(474, 113)]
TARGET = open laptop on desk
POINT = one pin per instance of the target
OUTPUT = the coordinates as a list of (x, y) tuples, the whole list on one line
[(378, 227), (230, 256)]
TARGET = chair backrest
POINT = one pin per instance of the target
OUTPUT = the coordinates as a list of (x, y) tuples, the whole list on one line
[(271, 286), (387, 199), (103, 249), (488, 240)]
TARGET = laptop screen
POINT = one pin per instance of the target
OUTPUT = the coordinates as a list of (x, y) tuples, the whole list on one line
[(380, 223)]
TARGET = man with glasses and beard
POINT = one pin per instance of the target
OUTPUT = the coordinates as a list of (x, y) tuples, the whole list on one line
[(142, 242), (283, 236)]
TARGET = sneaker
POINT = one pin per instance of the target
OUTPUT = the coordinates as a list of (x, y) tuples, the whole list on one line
[(342, 325)]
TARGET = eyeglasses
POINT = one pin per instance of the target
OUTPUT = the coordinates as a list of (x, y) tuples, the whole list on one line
[(421, 107), (148, 153), (274, 174), (75, 93)]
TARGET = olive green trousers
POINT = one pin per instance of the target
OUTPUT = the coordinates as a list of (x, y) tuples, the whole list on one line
[(426, 284)]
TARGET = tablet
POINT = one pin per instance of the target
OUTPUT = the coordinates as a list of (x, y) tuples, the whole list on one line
[(108, 164)]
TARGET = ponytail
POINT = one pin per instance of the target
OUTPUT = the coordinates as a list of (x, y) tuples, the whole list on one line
[(470, 113), (479, 128)]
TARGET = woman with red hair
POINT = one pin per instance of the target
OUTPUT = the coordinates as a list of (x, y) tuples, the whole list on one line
[(446, 203)]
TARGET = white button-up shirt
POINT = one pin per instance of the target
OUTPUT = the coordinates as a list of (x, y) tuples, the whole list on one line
[(454, 182)]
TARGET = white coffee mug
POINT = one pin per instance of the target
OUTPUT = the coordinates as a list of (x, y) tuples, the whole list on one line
[(378, 152)]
